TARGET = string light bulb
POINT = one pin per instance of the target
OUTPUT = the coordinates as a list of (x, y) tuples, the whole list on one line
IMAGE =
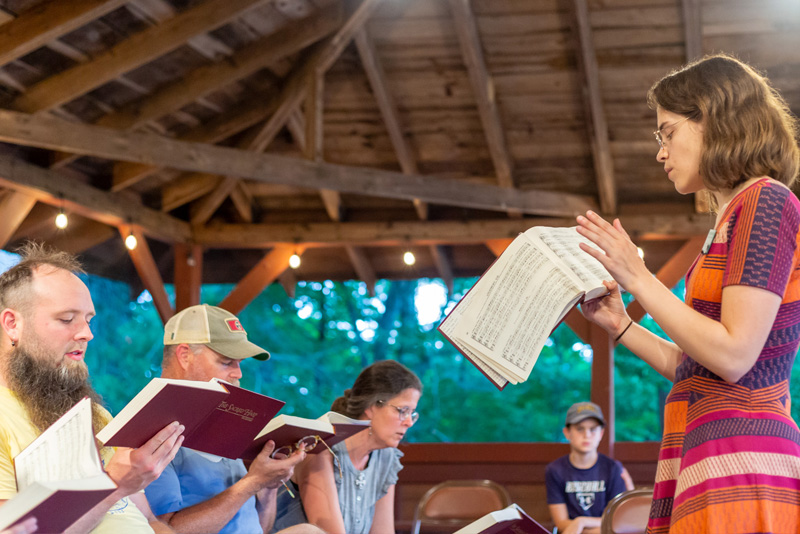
[(61, 220), (130, 242), (409, 258), (294, 261)]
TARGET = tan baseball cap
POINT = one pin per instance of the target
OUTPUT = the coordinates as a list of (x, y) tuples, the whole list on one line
[(584, 410), (214, 327)]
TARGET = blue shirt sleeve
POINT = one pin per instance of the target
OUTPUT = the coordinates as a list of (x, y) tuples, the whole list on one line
[(164, 493), (616, 484), (554, 485)]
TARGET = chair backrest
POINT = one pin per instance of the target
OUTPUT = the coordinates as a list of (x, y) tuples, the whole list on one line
[(456, 503), (627, 513)]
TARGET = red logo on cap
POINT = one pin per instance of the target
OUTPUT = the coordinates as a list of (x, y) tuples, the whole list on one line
[(234, 325)]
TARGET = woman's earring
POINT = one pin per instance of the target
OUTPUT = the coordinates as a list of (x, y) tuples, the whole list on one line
[(13, 343), (370, 430)]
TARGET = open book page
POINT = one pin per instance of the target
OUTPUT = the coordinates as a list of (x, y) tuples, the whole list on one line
[(492, 518), (447, 327), (563, 243), (311, 426), (510, 520), (64, 451), (515, 306)]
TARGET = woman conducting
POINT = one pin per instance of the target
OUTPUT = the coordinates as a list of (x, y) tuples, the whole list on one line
[(352, 490), (730, 455)]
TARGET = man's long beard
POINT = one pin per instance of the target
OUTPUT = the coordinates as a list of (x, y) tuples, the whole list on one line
[(48, 390)]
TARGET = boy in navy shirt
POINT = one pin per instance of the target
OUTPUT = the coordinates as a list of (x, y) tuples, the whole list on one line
[(580, 484)]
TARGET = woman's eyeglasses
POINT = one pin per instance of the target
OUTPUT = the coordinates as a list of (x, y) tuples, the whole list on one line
[(403, 413), (660, 135)]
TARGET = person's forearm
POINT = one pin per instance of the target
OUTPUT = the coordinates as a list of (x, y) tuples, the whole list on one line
[(266, 504), (660, 354), (212, 515)]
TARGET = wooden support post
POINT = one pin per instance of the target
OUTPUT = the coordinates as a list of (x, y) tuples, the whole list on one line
[(602, 392), (188, 275)]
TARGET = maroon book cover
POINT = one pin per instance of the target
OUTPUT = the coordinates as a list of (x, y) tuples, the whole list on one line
[(288, 431), (232, 426), (525, 524), (59, 511), (344, 431), (187, 405)]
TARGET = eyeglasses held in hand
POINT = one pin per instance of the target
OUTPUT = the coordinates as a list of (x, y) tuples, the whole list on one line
[(307, 444), (403, 413)]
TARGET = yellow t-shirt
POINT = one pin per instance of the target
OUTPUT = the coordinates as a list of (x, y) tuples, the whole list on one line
[(17, 432)]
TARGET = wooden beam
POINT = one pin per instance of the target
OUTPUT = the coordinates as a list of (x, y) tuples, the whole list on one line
[(15, 206), (288, 281), (263, 274), (187, 187), (112, 209), (672, 271), (484, 89), (495, 233), (148, 271), (363, 267), (288, 40), (188, 275), (243, 201), (602, 388), (48, 21), (131, 53), (56, 134), (693, 28), (442, 262), (388, 109), (497, 246), (205, 208), (579, 325), (595, 112)]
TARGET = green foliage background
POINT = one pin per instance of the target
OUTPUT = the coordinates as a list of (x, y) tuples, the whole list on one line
[(316, 357)]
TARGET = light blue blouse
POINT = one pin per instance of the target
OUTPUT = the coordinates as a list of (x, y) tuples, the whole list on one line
[(359, 491)]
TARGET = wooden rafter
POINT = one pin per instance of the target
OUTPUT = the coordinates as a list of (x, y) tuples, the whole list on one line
[(672, 271), (56, 134), (495, 233), (109, 208), (148, 270), (483, 87), (443, 266), (48, 21), (363, 267), (263, 274), (595, 112), (288, 40), (130, 54), (314, 137), (15, 206), (388, 109)]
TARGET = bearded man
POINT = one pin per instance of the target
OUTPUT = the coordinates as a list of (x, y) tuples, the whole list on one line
[(45, 311)]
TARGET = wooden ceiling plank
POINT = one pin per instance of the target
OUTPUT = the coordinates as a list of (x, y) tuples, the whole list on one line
[(145, 265), (186, 188), (56, 134), (81, 236), (203, 209), (112, 209), (443, 266), (131, 53), (388, 108), (254, 282), (594, 110), (288, 40), (15, 206), (48, 21), (364, 269), (484, 89), (495, 233), (672, 271)]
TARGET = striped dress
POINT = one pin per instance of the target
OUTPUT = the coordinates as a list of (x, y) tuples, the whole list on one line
[(730, 457)]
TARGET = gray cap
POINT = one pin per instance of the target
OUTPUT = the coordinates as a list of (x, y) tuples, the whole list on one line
[(214, 327), (584, 410)]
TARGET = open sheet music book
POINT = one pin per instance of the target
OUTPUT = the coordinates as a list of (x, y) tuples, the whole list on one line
[(59, 475), (511, 520), (503, 322), (220, 418)]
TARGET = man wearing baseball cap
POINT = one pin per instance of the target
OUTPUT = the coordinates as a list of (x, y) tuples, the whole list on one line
[(581, 483), (199, 492)]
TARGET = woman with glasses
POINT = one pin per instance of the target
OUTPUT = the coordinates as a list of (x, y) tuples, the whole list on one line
[(730, 457), (352, 490)]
